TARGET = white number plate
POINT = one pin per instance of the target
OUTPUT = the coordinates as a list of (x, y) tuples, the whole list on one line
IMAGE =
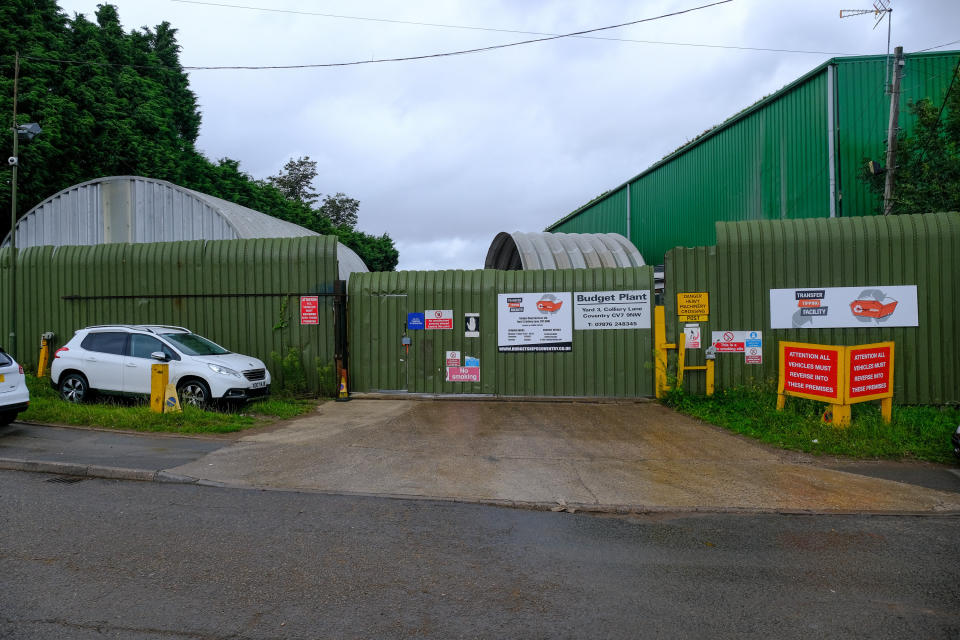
[(260, 384)]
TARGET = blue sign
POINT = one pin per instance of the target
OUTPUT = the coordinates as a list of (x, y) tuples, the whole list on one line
[(470, 361), (415, 321)]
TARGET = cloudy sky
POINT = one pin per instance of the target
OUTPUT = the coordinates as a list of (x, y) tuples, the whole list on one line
[(444, 153)]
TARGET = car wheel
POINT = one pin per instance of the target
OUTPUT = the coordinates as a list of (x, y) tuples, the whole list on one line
[(194, 392), (74, 388), (7, 417)]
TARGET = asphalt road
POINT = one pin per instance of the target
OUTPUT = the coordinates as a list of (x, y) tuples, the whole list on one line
[(113, 559)]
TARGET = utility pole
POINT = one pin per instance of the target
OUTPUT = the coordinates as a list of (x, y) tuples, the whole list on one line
[(13, 214), (892, 130)]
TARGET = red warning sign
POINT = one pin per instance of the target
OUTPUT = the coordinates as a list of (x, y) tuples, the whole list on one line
[(309, 309), (812, 371), (870, 371)]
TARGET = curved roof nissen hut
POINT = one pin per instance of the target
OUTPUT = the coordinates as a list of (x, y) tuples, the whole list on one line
[(137, 209), (532, 251)]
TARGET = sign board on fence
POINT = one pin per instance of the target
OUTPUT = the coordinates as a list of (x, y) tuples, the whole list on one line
[(453, 358), (736, 341), (692, 333), (693, 307), (870, 372), (836, 307), (534, 322), (812, 371), (309, 309), (463, 374), (471, 325), (439, 318), (611, 310), (415, 321)]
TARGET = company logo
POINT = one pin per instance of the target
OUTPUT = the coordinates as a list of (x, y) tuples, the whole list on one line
[(873, 304), (549, 304)]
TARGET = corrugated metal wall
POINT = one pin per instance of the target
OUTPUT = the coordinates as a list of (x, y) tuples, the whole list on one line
[(233, 291), (770, 162), (607, 215), (751, 258), (864, 114), (610, 363)]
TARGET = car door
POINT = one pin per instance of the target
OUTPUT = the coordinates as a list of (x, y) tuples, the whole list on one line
[(138, 364), (102, 359)]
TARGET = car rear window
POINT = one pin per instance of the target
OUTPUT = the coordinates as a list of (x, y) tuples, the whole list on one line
[(194, 345), (5, 359), (106, 342)]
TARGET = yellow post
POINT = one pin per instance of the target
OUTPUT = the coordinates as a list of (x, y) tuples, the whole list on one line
[(710, 365), (681, 356), (44, 356), (781, 401), (159, 376), (659, 346), (841, 415), (886, 409)]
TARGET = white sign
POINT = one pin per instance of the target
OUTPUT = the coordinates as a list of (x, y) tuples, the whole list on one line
[(611, 310), (832, 307), (692, 333), (737, 341), (534, 322), (471, 325), (453, 358)]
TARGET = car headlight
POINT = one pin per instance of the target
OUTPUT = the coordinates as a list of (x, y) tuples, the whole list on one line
[(224, 371)]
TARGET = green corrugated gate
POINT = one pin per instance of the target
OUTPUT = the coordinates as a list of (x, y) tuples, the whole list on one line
[(751, 258), (243, 294), (605, 363)]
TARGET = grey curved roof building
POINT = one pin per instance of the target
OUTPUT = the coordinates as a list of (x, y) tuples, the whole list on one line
[(531, 251), (137, 209)]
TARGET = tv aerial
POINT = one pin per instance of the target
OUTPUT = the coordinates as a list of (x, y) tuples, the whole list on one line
[(881, 9)]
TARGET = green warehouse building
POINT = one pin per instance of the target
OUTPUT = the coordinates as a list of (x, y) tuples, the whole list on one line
[(794, 154)]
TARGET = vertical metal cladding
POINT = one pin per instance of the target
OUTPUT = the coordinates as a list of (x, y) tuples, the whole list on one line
[(602, 364), (751, 258), (771, 161), (607, 215), (864, 112), (236, 292)]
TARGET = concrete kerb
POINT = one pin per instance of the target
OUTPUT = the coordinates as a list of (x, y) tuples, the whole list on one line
[(145, 475), (93, 471)]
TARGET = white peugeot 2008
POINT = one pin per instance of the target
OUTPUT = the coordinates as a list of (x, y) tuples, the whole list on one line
[(118, 359), (14, 395)]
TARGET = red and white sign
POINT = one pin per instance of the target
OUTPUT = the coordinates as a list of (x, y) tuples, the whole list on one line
[(453, 358), (439, 318), (692, 333), (812, 371), (729, 341), (870, 371), (753, 355), (463, 374), (309, 309)]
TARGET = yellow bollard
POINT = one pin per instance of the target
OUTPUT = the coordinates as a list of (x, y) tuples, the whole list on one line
[(44, 356), (159, 377), (710, 365)]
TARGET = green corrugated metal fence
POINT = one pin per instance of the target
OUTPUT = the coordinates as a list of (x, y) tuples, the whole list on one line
[(240, 293), (607, 363), (751, 258)]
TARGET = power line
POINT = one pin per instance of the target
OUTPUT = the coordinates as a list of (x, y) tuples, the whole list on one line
[(467, 51), (511, 31), (945, 44)]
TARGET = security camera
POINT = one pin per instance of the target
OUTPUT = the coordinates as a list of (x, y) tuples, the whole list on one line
[(12, 161)]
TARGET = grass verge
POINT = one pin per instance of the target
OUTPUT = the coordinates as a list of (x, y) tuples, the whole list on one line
[(47, 407), (915, 432)]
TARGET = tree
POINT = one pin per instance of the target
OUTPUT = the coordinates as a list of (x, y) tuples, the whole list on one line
[(295, 180), (928, 158), (340, 209)]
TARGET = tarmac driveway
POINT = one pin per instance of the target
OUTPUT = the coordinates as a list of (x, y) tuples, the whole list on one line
[(609, 457)]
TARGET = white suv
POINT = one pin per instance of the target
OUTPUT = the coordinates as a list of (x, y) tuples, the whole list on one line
[(118, 359), (14, 396)]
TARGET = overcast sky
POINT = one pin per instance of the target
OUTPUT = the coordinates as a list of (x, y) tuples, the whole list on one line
[(444, 153)]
